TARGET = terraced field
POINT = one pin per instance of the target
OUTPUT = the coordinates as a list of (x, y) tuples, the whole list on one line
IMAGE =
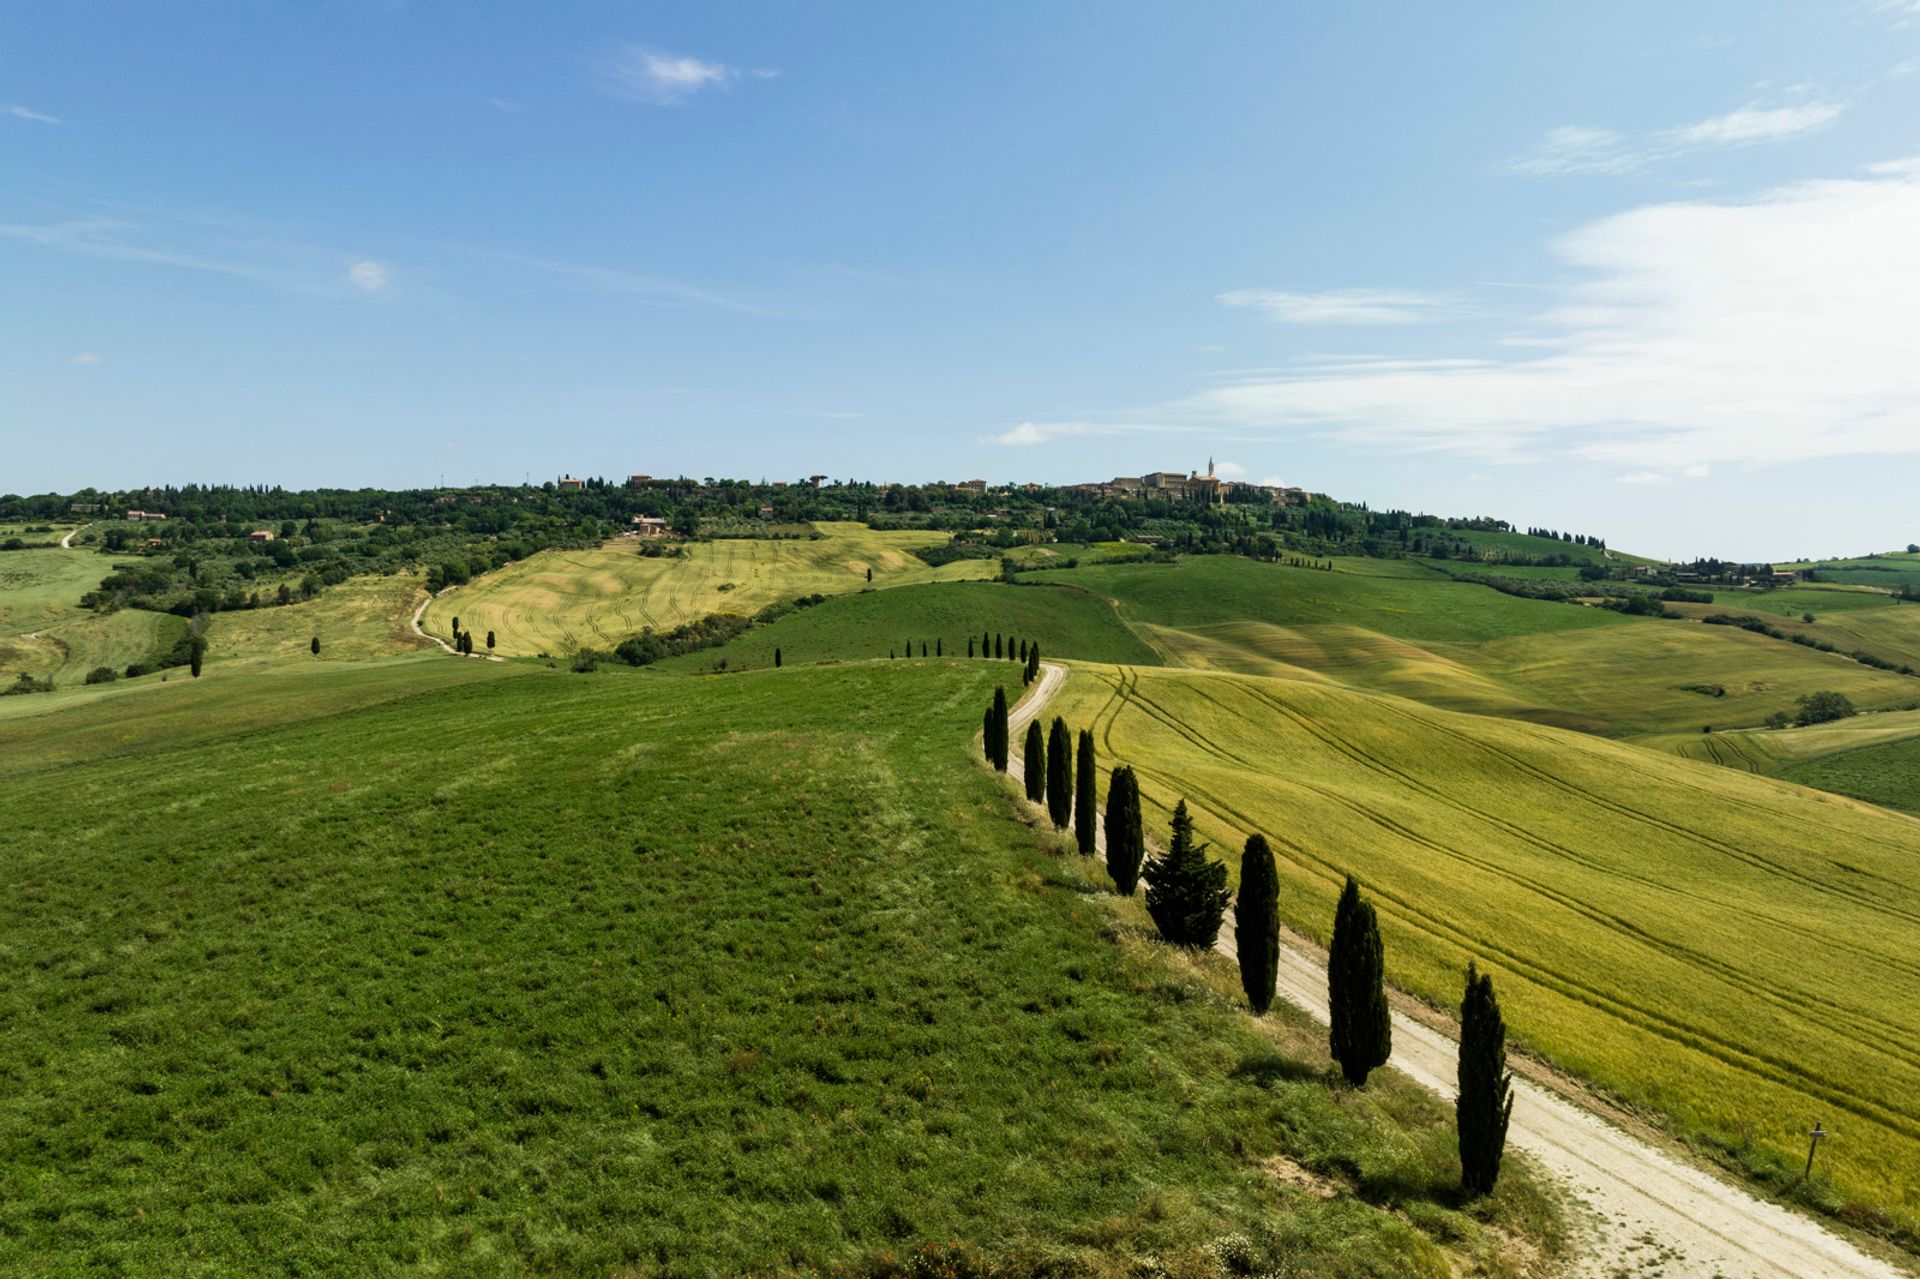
[(1739, 954), (558, 601)]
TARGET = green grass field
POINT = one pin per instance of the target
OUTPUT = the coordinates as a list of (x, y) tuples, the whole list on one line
[(416, 965), (46, 634), (559, 601), (1066, 621), (1465, 647), (1888, 571), (1887, 774), (1719, 948)]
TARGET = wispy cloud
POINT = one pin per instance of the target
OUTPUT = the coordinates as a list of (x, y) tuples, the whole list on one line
[(1343, 306), (1028, 434), (1766, 330), (645, 74), (38, 117), (1583, 149), (1231, 470), (108, 238), (647, 289), (87, 357), (368, 275)]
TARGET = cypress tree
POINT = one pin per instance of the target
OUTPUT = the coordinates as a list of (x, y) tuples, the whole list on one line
[(1256, 923), (1187, 895), (456, 628), (1084, 802), (985, 643), (997, 730), (1486, 1089), (1036, 763), (939, 648), (776, 659), (1023, 650), (315, 646), (996, 645), (1126, 844), (489, 641), (969, 646), (196, 653), (1060, 774), (1362, 1031)]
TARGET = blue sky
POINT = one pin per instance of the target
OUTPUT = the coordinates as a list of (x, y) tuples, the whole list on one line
[(1645, 270)]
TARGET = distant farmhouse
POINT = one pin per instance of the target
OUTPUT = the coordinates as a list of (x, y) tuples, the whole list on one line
[(568, 484), (145, 515)]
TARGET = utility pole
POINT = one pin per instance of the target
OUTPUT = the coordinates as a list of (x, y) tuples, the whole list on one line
[(1815, 1137)]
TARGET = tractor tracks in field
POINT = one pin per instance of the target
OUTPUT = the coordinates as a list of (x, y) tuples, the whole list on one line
[(1650, 1211)]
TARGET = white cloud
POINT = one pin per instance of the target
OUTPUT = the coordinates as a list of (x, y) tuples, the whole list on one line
[(368, 276), (1031, 433), (1768, 330), (1229, 470), (1341, 306), (102, 238), (87, 357), (1274, 482), (665, 79), (1581, 149), (1698, 471), (38, 117)]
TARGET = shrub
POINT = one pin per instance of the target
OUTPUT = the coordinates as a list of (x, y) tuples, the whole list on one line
[(1187, 894), (1824, 707), (102, 675)]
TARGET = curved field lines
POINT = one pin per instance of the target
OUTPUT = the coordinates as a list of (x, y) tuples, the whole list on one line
[(1738, 953), (558, 601)]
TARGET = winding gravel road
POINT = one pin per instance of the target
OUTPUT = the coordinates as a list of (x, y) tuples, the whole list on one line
[(1653, 1212)]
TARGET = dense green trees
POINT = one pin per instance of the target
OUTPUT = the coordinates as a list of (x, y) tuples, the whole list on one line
[(1822, 707), (1035, 763), (1126, 841), (1084, 801), (1361, 1035), (996, 730), (1256, 923), (1486, 1089), (1060, 774), (1186, 893)]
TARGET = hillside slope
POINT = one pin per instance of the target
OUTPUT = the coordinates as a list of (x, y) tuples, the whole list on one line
[(423, 965), (1731, 951)]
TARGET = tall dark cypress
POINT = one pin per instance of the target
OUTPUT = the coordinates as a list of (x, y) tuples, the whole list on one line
[(923, 648), (1362, 1032), (1486, 1089), (776, 657), (997, 640), (1035, 763), (969, 646), (1084, 782), (1060, 774), (1187, 894), (997, 730), (1256, 923), (1023, 650), (939, 648), (1126, 842)]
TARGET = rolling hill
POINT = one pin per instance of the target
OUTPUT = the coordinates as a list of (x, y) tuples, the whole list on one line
[(414, 964), (1728, 950)]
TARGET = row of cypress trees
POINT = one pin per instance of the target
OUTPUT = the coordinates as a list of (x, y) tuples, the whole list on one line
[(1187, 898)]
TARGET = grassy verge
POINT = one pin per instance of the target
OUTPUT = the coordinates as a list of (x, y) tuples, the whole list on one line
[(634, 974)]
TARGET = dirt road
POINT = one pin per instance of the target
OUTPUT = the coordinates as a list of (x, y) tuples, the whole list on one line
[(1653, 1212), (66, 543), (421, 631)]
